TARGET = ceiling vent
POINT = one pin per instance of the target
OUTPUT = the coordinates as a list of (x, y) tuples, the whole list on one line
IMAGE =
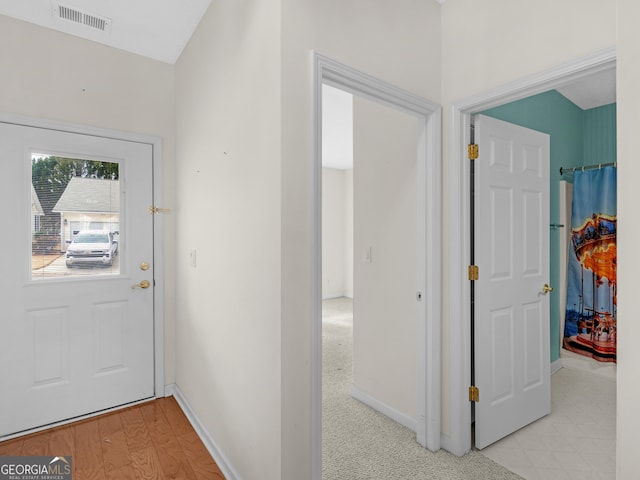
[(72, 14)]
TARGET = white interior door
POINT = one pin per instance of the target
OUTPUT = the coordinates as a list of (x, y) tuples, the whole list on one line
[(512, 252), (75, 337)]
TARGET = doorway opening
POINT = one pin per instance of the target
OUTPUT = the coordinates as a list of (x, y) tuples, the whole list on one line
[(545, 83), (426, 290), (370, 244)]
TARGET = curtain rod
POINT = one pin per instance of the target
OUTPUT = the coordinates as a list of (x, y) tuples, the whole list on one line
[(588, 167)]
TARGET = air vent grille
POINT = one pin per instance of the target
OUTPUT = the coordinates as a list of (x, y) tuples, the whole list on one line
[(94, 22), (71, 14)]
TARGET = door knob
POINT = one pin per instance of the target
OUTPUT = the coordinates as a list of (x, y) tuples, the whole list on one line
[(142, 284), (546, 289)]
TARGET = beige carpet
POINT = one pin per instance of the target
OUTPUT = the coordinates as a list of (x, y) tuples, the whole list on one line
[(360, 443)]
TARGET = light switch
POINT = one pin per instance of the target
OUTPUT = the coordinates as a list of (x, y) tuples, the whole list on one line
[(192, 258)]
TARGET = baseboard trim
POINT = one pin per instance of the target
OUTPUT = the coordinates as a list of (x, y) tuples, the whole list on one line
[(220, 458), (587, 364), (555, 366), (392, 413), (169, 390)]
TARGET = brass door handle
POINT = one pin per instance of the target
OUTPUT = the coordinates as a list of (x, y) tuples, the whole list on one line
[(546, 289), (142, 284)]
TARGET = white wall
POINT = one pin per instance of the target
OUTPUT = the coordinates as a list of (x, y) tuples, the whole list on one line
[(540, 34), (396, 41), (487, 44), (628, 77), (51, 75), (228, 185), (385, 353), (337, 250)]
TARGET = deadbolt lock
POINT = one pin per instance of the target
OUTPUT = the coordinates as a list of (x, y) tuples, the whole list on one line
[(144, 266)]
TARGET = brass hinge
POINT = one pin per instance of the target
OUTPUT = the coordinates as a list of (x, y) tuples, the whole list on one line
[(473, 151), (474, 272), (152, 209), (474, 394)]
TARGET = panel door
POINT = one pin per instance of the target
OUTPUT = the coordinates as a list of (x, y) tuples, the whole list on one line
[(76, 329), (512, 364)]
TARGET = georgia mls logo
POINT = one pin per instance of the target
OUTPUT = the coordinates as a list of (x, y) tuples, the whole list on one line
[(63, 465), (35, 468)]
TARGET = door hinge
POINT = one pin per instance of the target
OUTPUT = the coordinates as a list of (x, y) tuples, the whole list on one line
[(474, 272), (153, 209), (473, 151), (474, 394)]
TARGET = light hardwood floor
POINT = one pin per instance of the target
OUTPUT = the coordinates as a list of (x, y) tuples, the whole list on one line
[(153, 440)]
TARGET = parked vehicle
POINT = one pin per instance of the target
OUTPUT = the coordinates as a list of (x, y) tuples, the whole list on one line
[(92, 247)]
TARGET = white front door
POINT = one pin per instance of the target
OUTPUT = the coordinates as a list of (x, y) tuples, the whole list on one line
[(512, 363), (76, 328)]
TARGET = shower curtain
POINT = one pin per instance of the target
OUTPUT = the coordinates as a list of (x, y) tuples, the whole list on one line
[(590, 322)]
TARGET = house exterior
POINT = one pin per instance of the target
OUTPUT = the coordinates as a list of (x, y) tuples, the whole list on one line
[(234, 114), (88, 204), (36, 211)]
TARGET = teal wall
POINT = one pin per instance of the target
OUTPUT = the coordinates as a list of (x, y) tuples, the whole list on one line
[(599, 130), (578, 137)]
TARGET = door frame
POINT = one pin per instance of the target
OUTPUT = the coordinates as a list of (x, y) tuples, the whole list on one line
[(158, 223), (458, 441), (326, 70)]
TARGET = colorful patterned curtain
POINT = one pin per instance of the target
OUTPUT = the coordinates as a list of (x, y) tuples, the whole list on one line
[(590, 325)]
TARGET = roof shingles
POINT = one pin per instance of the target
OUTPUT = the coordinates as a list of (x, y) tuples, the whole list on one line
[(90, 195)]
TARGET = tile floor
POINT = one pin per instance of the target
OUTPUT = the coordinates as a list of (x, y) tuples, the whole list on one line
[(576, 441)]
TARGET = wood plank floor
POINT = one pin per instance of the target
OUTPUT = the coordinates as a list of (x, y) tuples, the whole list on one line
[(151, 441)]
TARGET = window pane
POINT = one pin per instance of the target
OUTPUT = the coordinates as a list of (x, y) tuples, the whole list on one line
[(75, 217)]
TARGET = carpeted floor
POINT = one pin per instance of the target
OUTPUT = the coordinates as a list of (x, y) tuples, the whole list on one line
[(360, 443)]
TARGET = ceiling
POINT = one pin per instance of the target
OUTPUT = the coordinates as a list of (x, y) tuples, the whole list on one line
[(157, 29), (592, 91)]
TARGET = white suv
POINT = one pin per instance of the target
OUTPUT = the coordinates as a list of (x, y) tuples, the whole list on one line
[(92, 246)]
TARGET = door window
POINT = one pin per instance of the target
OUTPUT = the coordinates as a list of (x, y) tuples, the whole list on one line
[(75, 210)]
